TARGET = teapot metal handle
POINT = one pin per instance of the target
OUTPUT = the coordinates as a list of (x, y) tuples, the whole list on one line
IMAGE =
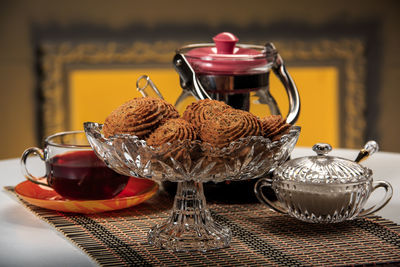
[(280, 71), (188, 77)]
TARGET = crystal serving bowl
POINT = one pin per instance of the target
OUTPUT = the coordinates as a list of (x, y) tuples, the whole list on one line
[(190, 163)]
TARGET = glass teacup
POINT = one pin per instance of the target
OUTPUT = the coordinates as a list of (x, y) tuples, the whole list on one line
[(72, 168)]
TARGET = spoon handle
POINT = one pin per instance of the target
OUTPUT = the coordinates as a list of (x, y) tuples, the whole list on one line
[(369, 148)]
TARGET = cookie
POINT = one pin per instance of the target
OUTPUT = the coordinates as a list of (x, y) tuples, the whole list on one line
[(173, 129), (200, 111), (139, 116), (167, 109), (170, 131), (274, 126), (229, 126)]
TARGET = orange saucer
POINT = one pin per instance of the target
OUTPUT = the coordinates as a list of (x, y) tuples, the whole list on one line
[(136, 191)]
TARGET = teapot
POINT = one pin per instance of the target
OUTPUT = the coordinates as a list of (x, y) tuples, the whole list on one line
[(237, 74)]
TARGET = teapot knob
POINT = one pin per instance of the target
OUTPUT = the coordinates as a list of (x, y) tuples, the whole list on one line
[(322, 148), (225, 42)]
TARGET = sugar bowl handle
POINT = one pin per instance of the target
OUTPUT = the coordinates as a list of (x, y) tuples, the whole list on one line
[(273, 204), (388, 195)]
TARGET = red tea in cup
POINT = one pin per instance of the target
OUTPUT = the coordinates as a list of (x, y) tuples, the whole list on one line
[(73, 170), (82, 175)]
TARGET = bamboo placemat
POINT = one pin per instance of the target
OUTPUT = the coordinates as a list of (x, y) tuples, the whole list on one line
[(260, 237)]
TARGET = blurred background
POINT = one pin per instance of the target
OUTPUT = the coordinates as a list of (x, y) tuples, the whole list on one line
[(70, 61)]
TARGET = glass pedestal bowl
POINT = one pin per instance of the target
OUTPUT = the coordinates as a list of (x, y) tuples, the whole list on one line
[(190, 164)]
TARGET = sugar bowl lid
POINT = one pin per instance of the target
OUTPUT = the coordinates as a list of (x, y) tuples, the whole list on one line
[(324, 169)]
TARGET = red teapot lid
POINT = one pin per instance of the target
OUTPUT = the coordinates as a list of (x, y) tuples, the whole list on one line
[(225, 57)]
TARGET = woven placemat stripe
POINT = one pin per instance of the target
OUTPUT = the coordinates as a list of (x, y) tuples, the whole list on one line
[(389, 232), (117, 246), (257, 244)]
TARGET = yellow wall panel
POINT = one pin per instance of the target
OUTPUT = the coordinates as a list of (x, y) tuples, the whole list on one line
[(95, 93)]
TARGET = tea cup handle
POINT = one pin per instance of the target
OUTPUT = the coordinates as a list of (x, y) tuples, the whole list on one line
[(388, 195), (37, 152), (265, 182)]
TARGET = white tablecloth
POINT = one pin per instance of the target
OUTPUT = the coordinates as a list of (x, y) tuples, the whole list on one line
[(25, 240)]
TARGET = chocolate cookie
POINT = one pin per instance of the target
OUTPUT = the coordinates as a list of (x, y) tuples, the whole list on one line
[(200, 111), (173, 129), (139, 116), (167, 109), (274, 127), (170, 131), (229, 126)]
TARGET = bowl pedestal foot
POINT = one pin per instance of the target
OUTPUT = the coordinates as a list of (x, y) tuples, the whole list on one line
[(190, 226)]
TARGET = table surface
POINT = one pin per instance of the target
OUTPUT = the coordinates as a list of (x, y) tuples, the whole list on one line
[(26, 240)]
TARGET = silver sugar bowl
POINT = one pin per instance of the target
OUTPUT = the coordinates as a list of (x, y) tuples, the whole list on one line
[(322, 188)]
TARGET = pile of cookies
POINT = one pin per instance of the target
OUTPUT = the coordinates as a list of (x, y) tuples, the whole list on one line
[(210, 121)]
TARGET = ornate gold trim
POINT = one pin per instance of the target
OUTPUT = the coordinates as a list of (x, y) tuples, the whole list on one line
[(57, 57)]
